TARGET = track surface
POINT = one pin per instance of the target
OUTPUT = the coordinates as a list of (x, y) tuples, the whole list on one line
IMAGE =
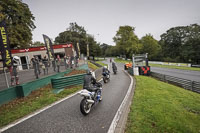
[(185, 74)]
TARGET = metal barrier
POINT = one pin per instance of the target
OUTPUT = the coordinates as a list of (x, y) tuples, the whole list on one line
[(186, 84), (130, 70), (63, 82), (93, 62)]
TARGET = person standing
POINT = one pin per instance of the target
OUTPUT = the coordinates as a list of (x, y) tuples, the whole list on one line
[(76, 61), (53, 64), (13, 71), (65, 62), (38, 64), (72, 61), (58, 62), (35, 67), (45, 65)]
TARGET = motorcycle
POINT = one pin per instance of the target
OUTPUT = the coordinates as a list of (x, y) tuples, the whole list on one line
[(115, 70), (106, 77), (90, 98)]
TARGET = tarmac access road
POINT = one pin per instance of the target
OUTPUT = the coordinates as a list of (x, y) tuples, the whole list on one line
[(66, 117), (185, 74)]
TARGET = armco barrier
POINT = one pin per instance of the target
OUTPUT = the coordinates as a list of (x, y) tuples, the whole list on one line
[(93, 62), (98, 73), (25, 89), (130, 70), (8, 95), (186, 84), (63, 82)]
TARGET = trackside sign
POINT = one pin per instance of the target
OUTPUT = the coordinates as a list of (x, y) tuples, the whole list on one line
[(5, 46)]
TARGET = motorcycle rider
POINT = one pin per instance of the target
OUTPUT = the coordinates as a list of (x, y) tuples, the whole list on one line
[(105, 70), (89, 81), (13, 71), (114, 67)]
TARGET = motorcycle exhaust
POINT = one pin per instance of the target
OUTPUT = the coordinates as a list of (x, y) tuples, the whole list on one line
[(90, 101)]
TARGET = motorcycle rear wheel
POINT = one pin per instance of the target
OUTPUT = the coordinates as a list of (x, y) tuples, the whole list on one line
[(105, 80), (85, 107)]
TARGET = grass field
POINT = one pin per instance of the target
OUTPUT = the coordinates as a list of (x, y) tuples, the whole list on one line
[(121, 61), (92, 66), (176, 67), (159, 107), (99, 62)]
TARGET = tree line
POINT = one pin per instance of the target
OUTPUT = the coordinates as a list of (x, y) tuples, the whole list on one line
[(178, 44)]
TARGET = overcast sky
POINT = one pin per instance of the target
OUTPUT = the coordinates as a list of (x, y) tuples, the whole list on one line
[(102, 18)]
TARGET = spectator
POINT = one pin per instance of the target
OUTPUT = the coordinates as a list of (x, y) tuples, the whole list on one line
[(45, 65), (35, 67), (58, 62)]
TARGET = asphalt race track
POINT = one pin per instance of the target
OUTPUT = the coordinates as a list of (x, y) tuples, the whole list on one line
[(185, 74)]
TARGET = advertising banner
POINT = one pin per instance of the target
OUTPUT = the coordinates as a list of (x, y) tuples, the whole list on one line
[(5, 46), (49, 46)]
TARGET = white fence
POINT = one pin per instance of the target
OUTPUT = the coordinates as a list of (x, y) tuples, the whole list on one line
[(170, 63)]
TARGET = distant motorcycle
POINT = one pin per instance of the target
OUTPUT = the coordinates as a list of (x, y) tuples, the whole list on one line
[(114, 67), (90, 98), (106, 77), (115, 70)]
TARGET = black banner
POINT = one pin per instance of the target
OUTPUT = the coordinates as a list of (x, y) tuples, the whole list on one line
[(49, 47), (5, 46)]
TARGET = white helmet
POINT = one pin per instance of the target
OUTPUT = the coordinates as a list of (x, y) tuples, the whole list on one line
[(16, 58), (104, 66)]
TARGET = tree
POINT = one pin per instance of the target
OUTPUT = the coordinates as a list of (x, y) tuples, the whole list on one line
[(37, 43), (104, 47), (19, 21), (182, 44), (77, 34), (74, 34), (150, 46), (126, 41)]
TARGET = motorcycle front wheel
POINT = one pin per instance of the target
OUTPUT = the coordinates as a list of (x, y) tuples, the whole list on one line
[(85, 107)]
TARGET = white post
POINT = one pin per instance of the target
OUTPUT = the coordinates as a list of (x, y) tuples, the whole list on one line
[(133, 64), (6, 78)]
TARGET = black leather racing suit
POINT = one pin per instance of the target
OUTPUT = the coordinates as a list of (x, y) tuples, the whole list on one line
[(88, 82)]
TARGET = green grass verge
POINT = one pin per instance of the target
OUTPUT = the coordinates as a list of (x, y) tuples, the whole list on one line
[(164, 108), (176, 67), (24, 106), (122, 61), (100, 63), (92, 66)]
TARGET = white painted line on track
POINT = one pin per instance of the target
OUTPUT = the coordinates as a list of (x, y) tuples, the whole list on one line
[(119, 111), (37, 112)]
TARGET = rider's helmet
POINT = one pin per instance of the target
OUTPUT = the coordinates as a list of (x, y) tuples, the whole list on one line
[(16, 58), (104, 66), (89, 72)]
